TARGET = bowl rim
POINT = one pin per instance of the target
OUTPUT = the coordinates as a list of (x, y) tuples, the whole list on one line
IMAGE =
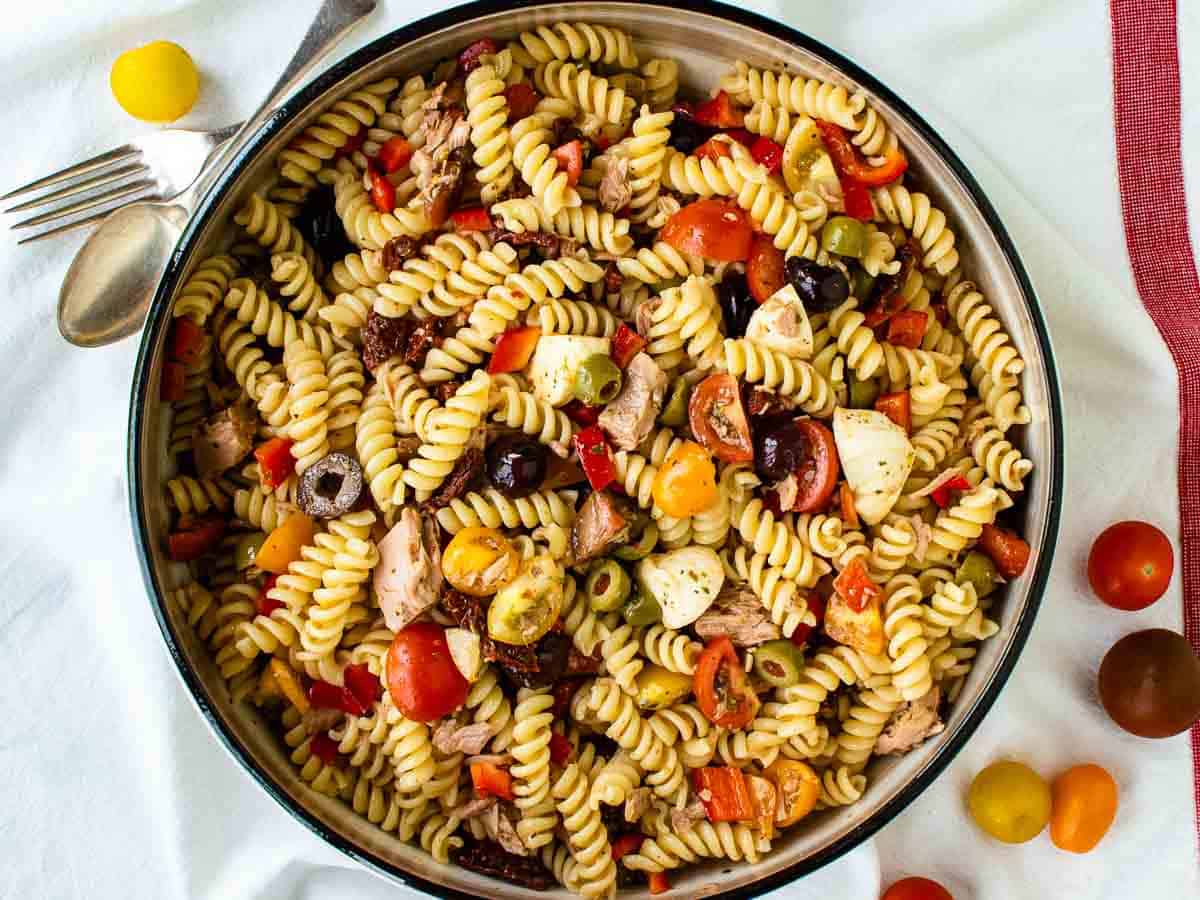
[(159, 317)]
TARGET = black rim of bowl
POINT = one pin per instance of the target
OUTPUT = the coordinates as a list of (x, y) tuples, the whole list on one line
[(159, 317)]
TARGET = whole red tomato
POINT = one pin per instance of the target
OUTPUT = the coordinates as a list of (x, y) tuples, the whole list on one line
[(421, 675), (1130, 565), (916, 889)]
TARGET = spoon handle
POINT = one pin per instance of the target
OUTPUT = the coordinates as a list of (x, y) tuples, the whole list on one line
[(334, 20)]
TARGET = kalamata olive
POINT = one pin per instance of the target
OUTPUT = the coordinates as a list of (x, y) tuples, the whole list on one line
[(330, 486), (737, 303), (686, 134), (822, 288), (1150, 683), (779, 450), (516, 465), (322, 227)]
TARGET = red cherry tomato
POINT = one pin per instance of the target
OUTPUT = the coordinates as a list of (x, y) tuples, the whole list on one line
[(1130, 565), (768, 153), (764, 270), (896, 406), (570, 160), (421, 675), (718, 419), (916, 889), (818, 473), (1008, 550), (194, 538), (714, 229), (719, 682), (522, 100)]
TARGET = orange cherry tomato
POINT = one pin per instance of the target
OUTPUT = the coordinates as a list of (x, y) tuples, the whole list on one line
[(1083, 804), (719, 683), (421, 675), (283, 545), (764, 270), (917, 889), (1130, 565), (686, 482), (1008, 550), (714, 229), (718, 419)]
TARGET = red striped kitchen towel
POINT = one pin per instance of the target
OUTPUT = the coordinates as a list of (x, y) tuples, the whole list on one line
[(1147, 119)]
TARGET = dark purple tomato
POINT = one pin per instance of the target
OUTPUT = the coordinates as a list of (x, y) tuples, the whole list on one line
[(516, 465), (1150, 683), (737, 303)]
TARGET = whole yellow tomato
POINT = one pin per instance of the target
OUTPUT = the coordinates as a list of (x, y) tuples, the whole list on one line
[(157, 82), (1009, 801)]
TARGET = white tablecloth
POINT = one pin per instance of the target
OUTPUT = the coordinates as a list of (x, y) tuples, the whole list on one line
[(110, 784)]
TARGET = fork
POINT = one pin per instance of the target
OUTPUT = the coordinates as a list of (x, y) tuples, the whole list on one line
[(157, 166)]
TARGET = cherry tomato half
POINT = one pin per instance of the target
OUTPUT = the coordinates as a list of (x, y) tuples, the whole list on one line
[(720, 686), (818, 473), (1009, 801), (714, 229), (1083, 806), (765, 268), (916, 889), (1130, 565), (421, 675), (718, 419), (686, 483)]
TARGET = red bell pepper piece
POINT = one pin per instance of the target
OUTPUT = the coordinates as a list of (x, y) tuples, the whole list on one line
[(489, 778), (352, 145), (897, 407), (194, 538), (846, 158), (848, 509), (363, 684), (383, 193), (816, 605), (724, 793), (173, 384), (474, 218), (719, 112), (468, 59), (767, 153), (626, 344), (595, 457), (263, 604), (570, 159), (324, 747), (1008, 550), (275, 462), (324, 695), (855, 586), (582, 414), (942, 493), (187, 341), (658, 882), (856, 198), (713, 149), (560, 749), (513, 349), (907, 328), (522, 99), (394, 154), (626, 844)]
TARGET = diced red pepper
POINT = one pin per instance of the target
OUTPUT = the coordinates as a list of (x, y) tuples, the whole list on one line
[(468, 59), (187, 341), (846, 158), (848, 509), (897, 406), (626, 344), (474, 218), (489, 779), (626, 844), (353, 145), (513, 349), (560, 749), (363, 684), (324, 695), (816, 605), (582, 414), (1008, 550), (263, 604), (172, 385), (855, 586), (383, 193), (570, 159), (324, 747), (275, 462), (767, 153), (394, 154), (856, 198), (658, 882), (724, 793), (595, 457), (943, 493), (719, 112), (522, 100), (194, 538), (907, 328), (713, 149)]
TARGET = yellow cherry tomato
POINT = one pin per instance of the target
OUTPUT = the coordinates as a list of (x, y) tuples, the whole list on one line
[(1084, 806), (480, 561), (798, 788), (157, 82), (686, 482), (1010, 801)]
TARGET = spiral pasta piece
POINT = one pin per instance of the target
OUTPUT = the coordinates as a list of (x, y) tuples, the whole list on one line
[(990, 344), (587, 836), (863, 352), (491, 509), (575, 41), (411, 401), (841, 788), (683, 726), (375, 444), (308, 404), (572, 317), (668, 849), (949, 607), (450, 429), (615, 781), (792, 378), (960, 525), (487, 112), (316, 145), (685, 324), (196, 496), (530, 139), (468, 268), (267, 319), (262, 220), (293, 274), (619, 650), (777, 592), (661, 83), (601, 231), (907, 645), (353, 556), (205, 288), (660, 262), (531, 768), (590, 93), (795, 94), (536, 418), (647, 150), (879, 255), (1001, 397), (920, 218), (346, 379), (367, 226), (1003, 462), (664, 775)]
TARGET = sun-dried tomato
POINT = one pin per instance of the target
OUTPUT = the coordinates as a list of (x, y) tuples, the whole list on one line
[(466, 471), (383, 337), (489, 858)]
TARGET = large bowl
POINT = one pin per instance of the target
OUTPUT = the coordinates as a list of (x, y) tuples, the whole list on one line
[(706, 38)]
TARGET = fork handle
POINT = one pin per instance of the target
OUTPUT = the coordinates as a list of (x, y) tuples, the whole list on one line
[(334, 20)]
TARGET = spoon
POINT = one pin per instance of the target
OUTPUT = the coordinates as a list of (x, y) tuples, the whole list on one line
[(108, 288)]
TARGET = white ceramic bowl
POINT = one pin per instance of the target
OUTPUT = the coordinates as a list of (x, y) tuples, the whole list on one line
[(705, 38)]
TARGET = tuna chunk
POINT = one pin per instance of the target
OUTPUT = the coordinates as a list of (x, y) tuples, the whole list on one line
[(599, 524), (738, 614), (615, 190), (629, 418), (408, 579), (450, 737), (911, 724), (222, 440)]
